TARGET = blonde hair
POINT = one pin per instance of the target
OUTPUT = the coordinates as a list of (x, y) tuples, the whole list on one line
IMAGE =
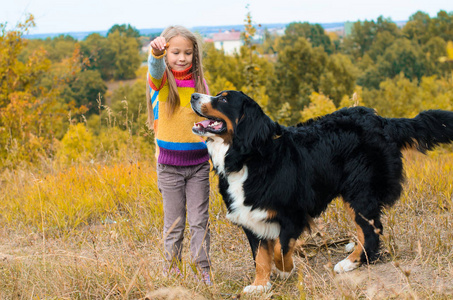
[(170, 32)]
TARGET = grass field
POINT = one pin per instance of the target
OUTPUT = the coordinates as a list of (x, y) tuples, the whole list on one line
[(93, 231)]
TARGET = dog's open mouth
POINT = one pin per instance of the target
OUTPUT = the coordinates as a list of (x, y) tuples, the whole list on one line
[(209, 125)]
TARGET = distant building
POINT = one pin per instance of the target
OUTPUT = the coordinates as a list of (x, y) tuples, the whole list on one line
[(228, 41), (348, 28)]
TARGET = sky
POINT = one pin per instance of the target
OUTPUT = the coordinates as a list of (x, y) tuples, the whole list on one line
[(62, 16)]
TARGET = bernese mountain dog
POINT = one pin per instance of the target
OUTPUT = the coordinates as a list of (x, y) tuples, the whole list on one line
[(275, 179)]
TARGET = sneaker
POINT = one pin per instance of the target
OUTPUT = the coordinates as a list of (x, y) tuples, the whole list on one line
[(206, 278)]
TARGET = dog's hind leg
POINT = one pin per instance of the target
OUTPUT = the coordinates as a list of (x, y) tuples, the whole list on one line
[(283, 258), (262, 255), (368, 231)]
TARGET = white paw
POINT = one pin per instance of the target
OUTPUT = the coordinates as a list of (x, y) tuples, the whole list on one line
[(257, 288), (282, 274), (345, 266), (349, 247)]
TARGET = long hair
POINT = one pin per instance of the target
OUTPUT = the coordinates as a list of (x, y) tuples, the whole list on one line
[(170, 32)]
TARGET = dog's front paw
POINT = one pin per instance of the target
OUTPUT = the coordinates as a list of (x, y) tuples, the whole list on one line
[(345, 266), (257, 288)]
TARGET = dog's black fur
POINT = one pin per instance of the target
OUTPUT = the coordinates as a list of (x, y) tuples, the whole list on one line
[(297, 171)]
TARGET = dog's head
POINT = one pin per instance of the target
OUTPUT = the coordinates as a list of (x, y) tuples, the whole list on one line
[(233, 116), (222, 112)]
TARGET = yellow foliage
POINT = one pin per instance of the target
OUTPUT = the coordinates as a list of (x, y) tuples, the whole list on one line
[(76, 145), (320, 105), (449, 57), (450, 50), (332, 35), (218, 84), (83, 194), (260, 94), (355, 100)]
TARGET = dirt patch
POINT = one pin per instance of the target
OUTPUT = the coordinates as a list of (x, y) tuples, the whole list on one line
[(387, 280)]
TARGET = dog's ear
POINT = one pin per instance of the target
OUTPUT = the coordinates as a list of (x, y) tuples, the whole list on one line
[(254, 128), (252, 134)]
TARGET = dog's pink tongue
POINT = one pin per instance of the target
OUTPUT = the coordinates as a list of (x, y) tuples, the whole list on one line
[(204, 123)]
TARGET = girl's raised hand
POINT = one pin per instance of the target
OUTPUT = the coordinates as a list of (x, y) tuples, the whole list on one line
[(159, 45)]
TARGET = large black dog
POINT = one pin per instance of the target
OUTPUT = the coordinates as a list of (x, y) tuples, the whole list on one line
[(275, 179)]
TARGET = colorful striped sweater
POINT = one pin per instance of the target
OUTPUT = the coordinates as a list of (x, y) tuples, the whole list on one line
[(176, 144)]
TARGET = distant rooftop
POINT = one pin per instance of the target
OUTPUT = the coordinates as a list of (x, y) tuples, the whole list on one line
[(226, 36)]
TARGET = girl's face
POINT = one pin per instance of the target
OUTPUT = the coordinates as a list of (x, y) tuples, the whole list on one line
[(179, 53)]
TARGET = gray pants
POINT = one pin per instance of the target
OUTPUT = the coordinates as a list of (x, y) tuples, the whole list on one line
[(183, 187)]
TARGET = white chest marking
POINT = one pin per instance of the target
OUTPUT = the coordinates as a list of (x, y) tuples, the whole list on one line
[(254, 220), (217, 150)]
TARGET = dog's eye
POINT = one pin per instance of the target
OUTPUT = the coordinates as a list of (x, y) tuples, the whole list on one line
[(222, 99)]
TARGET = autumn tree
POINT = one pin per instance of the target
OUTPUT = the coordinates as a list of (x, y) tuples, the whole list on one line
[(27, 110)]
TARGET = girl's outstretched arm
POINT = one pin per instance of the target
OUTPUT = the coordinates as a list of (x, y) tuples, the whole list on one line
[(156, 63)]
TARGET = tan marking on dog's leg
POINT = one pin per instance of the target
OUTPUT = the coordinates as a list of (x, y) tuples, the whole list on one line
[(353, 261), (271, 214), (263, 263), (284, 263), (355, 256)]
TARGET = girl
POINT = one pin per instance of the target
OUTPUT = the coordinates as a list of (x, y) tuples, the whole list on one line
[(175, 72)]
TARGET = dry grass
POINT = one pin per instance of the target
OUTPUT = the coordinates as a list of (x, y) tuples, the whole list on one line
[(94, 231)]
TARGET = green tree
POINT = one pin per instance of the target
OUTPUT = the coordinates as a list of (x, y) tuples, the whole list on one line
[(338, 78), (116, 56), (360, 40), (128, 105), (269, 42), (100, 56), (442, 26), (382, 41), (124, 29), (220, 67), (365, 34), (86, 88), (126, 57), (403, 56), (395, 97), (400, 97), (298, 72), (421, 28), (417, 27), (60, 47), (312, 32), (434, 49)]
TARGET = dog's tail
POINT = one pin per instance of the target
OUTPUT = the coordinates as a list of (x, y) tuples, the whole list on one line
[(427, 130)]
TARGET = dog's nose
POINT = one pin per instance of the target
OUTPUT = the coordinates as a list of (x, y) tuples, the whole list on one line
[(195, 96)]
